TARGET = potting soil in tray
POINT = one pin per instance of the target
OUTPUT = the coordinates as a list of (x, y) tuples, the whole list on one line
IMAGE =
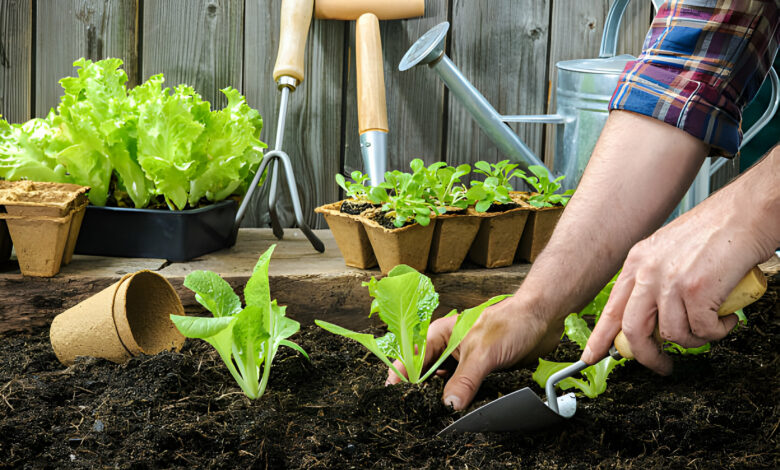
[(184, 410)]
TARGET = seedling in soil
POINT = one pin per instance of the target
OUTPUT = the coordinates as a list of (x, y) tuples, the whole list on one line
[(444, 186), (594, 381), (248, 338), (405, 301), (407, 202), (545, 188), (497, 184), (355, 189)]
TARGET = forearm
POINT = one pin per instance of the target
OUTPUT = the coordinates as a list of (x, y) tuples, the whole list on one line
[(639, 170), (749, 207)]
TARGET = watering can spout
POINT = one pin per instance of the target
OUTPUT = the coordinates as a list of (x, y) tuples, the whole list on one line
[(429, 50)]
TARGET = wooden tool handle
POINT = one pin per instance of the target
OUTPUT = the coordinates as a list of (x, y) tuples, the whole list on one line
[(747, 291), (294, 27), (372, 108)]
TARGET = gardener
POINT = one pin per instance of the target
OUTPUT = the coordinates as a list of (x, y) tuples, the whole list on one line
[(680, 101)]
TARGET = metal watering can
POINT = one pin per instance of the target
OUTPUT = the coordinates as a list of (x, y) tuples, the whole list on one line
[(584, 89)]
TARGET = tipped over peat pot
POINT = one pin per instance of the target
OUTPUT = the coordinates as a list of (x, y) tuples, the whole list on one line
[(128, 318), (453, 235), (350, 236), (43, 221), (498, 237), (153, 233)]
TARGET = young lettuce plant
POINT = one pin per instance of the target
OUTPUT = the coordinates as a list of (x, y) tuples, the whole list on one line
[(594, 381), (405, 301), (545, 189), (444, 187), (247, 339), (497, 184), (407, 201), (355, 189)]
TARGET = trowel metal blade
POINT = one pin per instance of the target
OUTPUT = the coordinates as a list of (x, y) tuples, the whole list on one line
[(521, 411)]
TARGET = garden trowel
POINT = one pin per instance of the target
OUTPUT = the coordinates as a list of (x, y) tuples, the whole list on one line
[(524, 411)]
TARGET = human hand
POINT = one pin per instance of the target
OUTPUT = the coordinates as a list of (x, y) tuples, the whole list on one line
[(504, 335), (676, 280)]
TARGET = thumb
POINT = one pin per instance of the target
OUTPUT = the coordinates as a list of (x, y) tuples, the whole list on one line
[(464, 383)]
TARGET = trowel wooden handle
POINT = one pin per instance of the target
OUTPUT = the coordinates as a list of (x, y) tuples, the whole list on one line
[(372, 107), (747, 291), (294, 27)]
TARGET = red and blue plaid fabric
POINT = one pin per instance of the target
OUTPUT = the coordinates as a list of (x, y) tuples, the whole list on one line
[(702, 62)]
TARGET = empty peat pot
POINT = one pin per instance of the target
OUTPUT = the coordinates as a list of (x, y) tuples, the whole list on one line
[(128, 318)]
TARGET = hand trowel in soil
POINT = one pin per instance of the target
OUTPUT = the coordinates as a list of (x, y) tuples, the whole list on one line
[(524, 411)]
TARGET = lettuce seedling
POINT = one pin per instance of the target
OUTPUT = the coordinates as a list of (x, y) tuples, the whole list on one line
[(444, 187), (545, 189), (248, 338), (405, 301), (407, 200), (355, 189), (497, 184)]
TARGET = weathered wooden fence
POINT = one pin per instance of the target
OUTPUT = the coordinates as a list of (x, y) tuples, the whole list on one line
[(508, 48)]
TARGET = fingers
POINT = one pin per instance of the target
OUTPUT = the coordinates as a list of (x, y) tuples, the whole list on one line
[(437, 339), (609, 323), (639, 322), (465, 382), (673, 322), (705, 322)]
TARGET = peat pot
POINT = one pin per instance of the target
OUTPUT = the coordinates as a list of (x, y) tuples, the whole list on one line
[(350, 236), (453, 235), (498, 236), (408, 245)]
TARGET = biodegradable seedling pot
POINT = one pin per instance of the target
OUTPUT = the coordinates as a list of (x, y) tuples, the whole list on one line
[(498, 236), (128, 318), (350, 236), (537, 232), (44, 220), (452, 238), (408, 245)]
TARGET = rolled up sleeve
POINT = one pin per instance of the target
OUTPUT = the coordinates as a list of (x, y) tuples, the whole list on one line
[(702, 62)]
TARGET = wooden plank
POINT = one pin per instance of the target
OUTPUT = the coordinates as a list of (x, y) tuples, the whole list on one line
[(501, 47), (576, 34), (197, 42), (69, 29), (16, 26), (312, 136), (415, 98), (312, 285)]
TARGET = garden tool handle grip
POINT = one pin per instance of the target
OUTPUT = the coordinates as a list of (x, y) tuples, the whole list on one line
[(372, 107), (294, 28), (749, 289)]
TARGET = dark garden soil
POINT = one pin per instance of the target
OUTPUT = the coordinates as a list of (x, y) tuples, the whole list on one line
[(356, 208), (183, 410), (496, 207)]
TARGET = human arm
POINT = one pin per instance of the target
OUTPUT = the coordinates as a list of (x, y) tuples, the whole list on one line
[(678, 277), (639, 169)]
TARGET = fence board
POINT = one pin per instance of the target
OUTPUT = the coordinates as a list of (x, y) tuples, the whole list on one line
[(197, 42), (15, 59), (415, 98), (501, 47), (69, 29), (313, 130), (576, 34)]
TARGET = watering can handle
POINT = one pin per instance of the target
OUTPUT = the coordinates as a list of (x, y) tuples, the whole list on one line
[(612, 26)]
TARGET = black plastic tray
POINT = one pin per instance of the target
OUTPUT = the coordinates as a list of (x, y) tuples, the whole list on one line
[(149, 233)]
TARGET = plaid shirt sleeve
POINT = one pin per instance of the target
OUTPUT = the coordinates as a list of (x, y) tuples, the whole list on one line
[(702, 62)]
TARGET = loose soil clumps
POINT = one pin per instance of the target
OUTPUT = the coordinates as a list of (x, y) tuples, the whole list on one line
[(183, 410)]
